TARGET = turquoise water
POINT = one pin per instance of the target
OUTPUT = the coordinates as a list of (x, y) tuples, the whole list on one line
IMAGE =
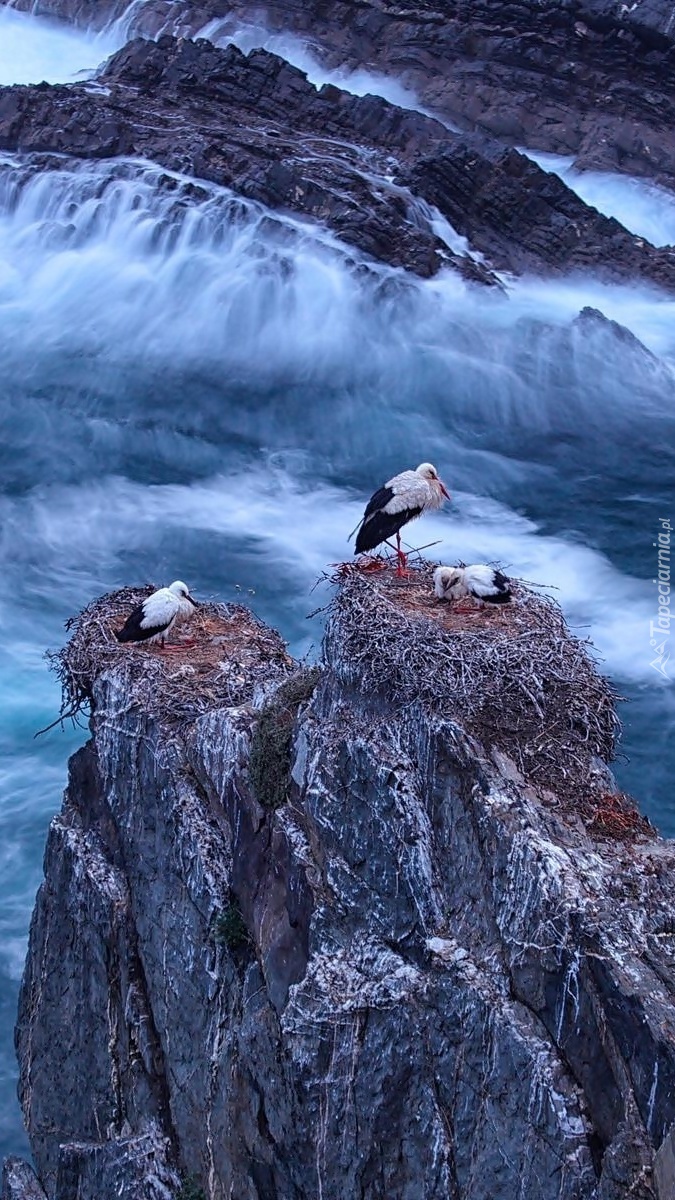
[(207, 394)]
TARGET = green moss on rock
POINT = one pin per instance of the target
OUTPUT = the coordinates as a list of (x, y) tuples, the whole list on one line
[(229, 929), (270, 757)]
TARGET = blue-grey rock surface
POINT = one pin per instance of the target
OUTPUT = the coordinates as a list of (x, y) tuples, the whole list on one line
[(341, 933)]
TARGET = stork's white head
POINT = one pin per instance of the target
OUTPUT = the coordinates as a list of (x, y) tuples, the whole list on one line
[(449, 583), (181, 590), (429, 472)]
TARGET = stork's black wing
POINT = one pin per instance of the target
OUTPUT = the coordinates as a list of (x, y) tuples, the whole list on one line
[(503, 593), (381, 525), (378, 501), (133, 631)]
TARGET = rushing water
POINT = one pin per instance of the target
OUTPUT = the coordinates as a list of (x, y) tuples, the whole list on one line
[(34, 50), (204, 392), (639, 205)]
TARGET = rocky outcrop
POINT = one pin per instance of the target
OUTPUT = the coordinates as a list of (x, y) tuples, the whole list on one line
[(19, 1181), (588, 78), (377, 175), (594, 78), (350, 931)]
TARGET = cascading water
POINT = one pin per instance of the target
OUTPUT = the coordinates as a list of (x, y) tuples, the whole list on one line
[(193, 387), (638, 204), (32, 49)]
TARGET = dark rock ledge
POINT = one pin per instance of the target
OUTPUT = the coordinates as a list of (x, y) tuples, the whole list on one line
[(383, 929), (594, 78), (362, 167)]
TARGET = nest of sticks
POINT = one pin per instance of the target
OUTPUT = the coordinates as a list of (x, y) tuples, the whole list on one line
[(217, 659), (512, 675)]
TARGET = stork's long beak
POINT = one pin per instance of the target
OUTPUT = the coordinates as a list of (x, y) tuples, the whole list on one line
[(444, 490), (192, 601)]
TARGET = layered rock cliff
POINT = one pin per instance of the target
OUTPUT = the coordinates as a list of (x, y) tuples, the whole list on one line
[(382, 178), (593, 78), (383, 928)]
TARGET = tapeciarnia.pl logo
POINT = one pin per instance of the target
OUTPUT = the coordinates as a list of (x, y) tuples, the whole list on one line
[(659, 630)]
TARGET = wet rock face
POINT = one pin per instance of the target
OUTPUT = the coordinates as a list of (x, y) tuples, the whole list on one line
[(594, 78), (403, 970), (364, 168), (19, 1181), (588, 78)]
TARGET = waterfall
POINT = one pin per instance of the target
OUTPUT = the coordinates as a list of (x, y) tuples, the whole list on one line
[(34, 49)]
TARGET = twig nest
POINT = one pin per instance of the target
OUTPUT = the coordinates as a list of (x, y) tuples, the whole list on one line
[(513, 677), (180, 686)]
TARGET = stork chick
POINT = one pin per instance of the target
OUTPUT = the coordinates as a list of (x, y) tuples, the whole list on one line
[(479, 581)]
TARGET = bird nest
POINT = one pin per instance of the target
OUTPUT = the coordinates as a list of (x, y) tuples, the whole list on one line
[(218, 659), (513, 676)]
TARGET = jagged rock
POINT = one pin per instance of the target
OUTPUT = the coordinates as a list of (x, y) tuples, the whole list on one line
[(521, 216), (592, 320), (365, 168), (19, 1181), (590, 77), (134, 1168), (412, 966), (587, 77)]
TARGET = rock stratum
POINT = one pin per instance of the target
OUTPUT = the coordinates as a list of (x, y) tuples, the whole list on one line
[(379, 929), (592, 78), (379, 177)]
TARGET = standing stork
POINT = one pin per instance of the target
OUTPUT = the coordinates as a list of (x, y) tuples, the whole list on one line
[(154, 619), (400, 500)]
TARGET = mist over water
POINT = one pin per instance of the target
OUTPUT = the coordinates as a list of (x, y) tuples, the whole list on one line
[(33, 49), (208, 391)]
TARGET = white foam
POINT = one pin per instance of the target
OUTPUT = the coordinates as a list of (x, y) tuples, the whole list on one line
[(640, 205), (33, 49)]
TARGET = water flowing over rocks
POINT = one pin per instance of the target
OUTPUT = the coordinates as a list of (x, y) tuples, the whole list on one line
[(592, 78), (380, 177), (587, 77), (315, 933)]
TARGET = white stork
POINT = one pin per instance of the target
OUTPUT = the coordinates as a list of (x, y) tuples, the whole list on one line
[(480, 581), (154, 619), (400, 500)]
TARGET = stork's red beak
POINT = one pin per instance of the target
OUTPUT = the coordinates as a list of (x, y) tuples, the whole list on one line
[(444, 490)]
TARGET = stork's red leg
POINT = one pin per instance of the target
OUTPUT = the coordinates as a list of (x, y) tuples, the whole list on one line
[(401, 565), (401, 557)]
